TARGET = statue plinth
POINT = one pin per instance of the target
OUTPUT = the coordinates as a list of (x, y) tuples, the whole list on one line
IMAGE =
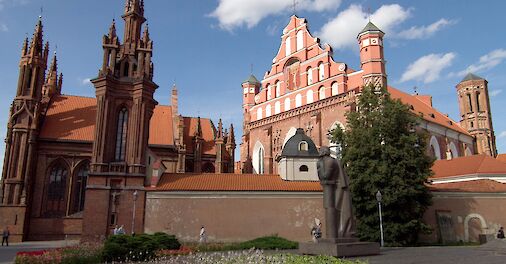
[(339, 239)]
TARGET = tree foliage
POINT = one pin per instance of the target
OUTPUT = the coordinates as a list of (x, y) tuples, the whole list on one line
[(383, 150)]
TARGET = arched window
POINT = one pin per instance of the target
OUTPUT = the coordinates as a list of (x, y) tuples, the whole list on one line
[(269, 92), (303, 168), (287, 104), (121, 135), (335, 89), (298, 100), (309, 97), (300, 39), (56, 189), (309, 76), (79, 192), (453, 150), (435, 150), (278, 89), (268, 111), (321, 72), (321, 93), (277, 107), (259, 113), (303, 146), (288, 49), (258, 158)]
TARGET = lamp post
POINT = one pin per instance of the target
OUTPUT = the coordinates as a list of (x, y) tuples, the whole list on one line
[(378, 198), (135, 194)]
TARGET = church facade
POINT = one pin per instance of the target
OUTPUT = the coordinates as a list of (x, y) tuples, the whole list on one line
[(76, 166), (306, 88)]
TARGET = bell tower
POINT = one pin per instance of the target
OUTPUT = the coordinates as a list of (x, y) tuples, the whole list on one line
[(124, 91), (251, 87), (372, 59), (476, 116), (22, 132)]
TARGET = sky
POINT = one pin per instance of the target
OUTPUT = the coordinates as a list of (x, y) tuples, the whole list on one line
[(208, 48)]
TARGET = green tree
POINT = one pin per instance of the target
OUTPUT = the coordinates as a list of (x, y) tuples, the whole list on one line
[(383, 150)]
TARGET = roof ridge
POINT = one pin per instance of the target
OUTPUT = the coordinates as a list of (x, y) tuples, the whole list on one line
[(71, 95)]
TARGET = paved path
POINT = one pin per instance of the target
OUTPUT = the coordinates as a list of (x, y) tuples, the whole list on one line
[(493, 252), (7, 254)]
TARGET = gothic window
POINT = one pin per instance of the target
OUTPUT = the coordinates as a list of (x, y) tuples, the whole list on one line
[(303, 168), (278, 89), (309, 97), (257, 158), (309, 76), (335, 88), (269, 92), (259, 113), (56, 189), (287, 104), (470, 103), (28, 81), (261, 161), (478, 102), (298, 100), (435, 149), (121, 135), (288, 49), (300, 39), (268, 111), (277, 107), (126, 69), (81, 179), (321, 93), (321, 71)]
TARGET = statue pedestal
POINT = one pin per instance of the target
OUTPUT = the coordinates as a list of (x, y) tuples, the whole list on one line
[(343, 247)]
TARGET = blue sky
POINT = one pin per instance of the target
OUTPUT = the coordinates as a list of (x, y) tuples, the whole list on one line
[(207, 47)]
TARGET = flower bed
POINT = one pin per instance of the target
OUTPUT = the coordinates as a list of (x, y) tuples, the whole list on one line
[(78, 254)]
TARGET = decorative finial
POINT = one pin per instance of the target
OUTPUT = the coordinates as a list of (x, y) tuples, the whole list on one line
[(416, 90)]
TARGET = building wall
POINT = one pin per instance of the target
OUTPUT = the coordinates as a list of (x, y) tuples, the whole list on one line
[(466, 210), (233, 216), (289, 169)]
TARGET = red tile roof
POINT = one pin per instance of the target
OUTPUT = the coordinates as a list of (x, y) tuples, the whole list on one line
[(190, 125), (480, 186), (72, 118), (501, 157), (429, 113), (476, 164), (232, 182)]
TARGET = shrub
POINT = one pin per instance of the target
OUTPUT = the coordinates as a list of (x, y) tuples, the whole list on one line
[(137, 248), (69, 255), (269, 242)]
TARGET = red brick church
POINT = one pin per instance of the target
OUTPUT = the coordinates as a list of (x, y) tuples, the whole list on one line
[(75, 167), (63, 150)]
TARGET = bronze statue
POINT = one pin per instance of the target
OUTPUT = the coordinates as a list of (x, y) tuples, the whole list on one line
[(336, 197)]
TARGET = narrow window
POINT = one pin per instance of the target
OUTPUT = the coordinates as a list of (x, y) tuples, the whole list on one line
[(300, 40), (278, 89), (321, 70), (298, 100), (56, 189), (126, 70), (259, 113), (80, 188), (269, 92), (321, 93), (478, 102), (268, 111), (277, 107), (470, 103), (335, 88), (309, 97), (287, 104), (288, 49), (121, 135), (261, 161), (309, 76)]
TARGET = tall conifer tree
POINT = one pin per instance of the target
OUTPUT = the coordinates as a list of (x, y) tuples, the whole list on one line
[(383, 150)]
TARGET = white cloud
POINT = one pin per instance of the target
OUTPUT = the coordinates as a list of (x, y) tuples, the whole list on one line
[(495, 92), (85, 81), (502, 134), (341, 32), (428, 67), (425, 31), (233, 13), (486, 62)]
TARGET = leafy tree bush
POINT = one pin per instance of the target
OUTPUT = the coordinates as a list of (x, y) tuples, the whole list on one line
[(137, 248), (383, 150), (267, 242)]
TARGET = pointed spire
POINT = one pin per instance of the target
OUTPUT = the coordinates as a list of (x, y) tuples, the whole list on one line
[(198, 131), (134, 6), (145, 36), (220, 129), (112, 29), (37, 43), (231, 136), (24, 50), (54, 64)]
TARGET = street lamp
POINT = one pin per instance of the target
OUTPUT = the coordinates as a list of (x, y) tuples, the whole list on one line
[(378, 198), (135, 194)]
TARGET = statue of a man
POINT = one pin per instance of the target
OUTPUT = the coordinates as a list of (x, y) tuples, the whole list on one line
[(336, 196)]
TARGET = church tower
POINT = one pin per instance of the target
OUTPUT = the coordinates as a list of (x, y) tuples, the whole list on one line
[(372, 59), (475, 112), (22, 132), (125, 103), (250, 87)]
